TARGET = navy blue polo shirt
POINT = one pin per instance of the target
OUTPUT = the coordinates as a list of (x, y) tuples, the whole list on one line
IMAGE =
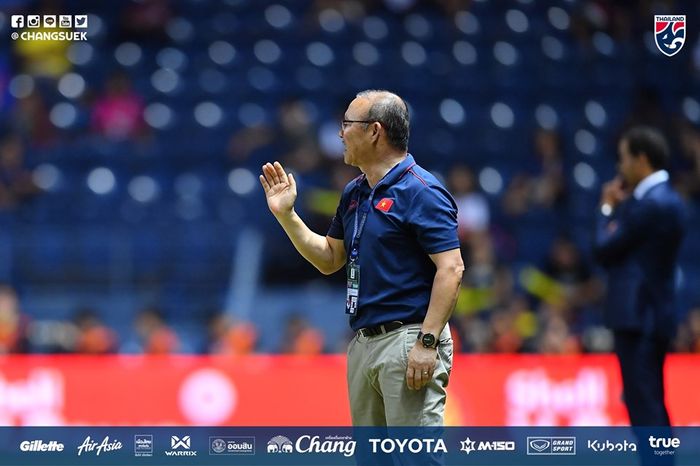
[(412, 216)]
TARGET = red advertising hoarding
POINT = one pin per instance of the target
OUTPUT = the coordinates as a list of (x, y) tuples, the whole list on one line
[(485, 390)]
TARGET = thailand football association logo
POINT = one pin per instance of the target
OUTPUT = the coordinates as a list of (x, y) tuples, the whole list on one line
[(669, 33)]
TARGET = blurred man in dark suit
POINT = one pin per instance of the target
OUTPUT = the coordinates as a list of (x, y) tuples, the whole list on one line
[(640, 230)]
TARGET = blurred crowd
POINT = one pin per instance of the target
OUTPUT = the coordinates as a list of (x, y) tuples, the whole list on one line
[(509, 302)]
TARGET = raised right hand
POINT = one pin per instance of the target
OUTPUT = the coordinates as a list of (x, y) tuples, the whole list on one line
[(280, 189), (613, 192)]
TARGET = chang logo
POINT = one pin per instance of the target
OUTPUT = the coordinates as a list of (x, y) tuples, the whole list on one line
[(280, 444)]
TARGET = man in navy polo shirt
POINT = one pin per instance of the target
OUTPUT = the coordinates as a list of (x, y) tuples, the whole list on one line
[(395, 231)]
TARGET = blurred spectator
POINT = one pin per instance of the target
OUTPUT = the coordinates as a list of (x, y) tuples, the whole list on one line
[(321, 201), (301, 338), (16, 183), (688, 338), (30, 120), (512, 327), (118, 112), (504, 333), (245, 142), (6, 99), (566, 281), (486, 284), (292, 137), (473, 214), (145, 20), (688, 180), (154, 335), (93, 336), (351, 10), (44, 58), (556, 337), (13, 324), (229, 337), (545, 188), (647, 109)]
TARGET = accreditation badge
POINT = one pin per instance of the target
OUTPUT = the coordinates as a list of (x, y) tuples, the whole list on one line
[(353, 288)]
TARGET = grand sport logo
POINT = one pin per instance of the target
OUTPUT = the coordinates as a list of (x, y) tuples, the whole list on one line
[(468, 445), (608, 446), (313, 444), (180, 446), (105, 446), (40, 445), (551, 445)]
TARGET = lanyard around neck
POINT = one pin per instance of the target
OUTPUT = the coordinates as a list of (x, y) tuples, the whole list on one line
[(359, 225)]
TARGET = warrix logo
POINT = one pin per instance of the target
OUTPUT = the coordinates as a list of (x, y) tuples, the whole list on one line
[(177, 443)]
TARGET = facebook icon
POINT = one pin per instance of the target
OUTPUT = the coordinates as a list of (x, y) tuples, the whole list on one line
[(17, 21)]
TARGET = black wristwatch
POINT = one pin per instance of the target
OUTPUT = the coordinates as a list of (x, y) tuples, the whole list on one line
[(428, 340)]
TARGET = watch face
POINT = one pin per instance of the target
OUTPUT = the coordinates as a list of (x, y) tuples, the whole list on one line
[(428, 340)]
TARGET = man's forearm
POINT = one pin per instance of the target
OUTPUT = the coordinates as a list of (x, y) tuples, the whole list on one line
[(442, 299), (312, 246)]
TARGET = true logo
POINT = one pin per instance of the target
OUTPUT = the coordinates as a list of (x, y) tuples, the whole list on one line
[(664, 446)]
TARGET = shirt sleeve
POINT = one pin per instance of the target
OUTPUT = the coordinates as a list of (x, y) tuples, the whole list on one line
[(335, 230), (433, 218)]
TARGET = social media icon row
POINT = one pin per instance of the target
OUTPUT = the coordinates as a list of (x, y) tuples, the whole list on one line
[(50, 21)]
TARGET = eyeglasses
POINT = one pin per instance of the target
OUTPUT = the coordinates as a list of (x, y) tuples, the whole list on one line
[(346, 123)]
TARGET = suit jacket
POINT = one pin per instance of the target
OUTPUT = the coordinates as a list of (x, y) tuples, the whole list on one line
[(639, 247)]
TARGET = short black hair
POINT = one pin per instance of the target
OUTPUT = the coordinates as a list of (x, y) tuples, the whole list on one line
[(649, 141), (392, 112)]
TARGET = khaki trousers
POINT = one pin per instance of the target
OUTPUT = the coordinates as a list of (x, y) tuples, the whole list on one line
[(377, 386)]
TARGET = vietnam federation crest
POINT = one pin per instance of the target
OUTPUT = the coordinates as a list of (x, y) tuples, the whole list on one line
[(669, 33)]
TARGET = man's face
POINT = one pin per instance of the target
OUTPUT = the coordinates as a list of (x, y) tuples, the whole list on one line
[(628, 166), (355, 135)]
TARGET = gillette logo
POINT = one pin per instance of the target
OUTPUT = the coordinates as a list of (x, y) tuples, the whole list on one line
[(40, 445)]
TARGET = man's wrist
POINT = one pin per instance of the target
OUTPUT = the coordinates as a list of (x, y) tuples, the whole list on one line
[(285, 217), (428, 340)]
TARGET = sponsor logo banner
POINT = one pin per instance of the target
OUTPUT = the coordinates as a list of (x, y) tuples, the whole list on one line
[(346, 446)]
